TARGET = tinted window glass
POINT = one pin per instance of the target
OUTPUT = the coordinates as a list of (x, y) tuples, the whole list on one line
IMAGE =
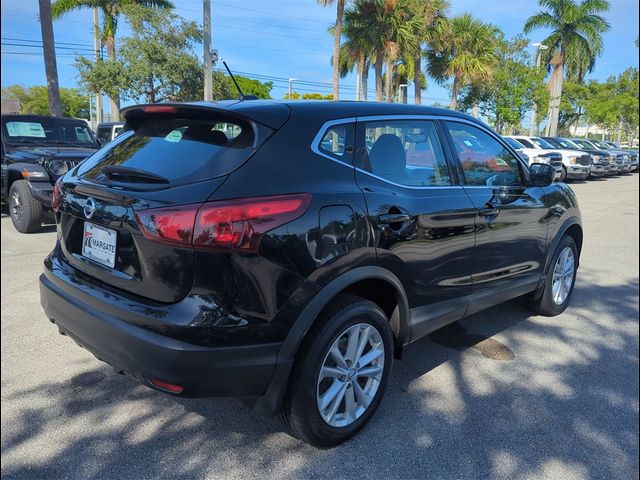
[(525, 142), (568, 144), (542, 143), (104, 133), (178, 149), (407, 152), (334, 140), (484, 160), (582, 144), (513, 143)]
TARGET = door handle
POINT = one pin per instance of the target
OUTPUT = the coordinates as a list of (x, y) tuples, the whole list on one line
[(389, 218), (488, 211)]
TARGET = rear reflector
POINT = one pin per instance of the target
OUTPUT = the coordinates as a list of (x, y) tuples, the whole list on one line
[(169, 387), (234, 225)]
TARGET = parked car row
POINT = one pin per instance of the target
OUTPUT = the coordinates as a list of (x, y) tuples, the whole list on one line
[(580, 159)]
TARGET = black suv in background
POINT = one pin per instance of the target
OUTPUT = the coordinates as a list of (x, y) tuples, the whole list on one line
[(36, 151), (286, 253)]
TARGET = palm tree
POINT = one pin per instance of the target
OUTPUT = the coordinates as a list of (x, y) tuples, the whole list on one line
[(111, 10), (337, 35), (465, 49), (430, 14), (357, 47), (50, 65), (575, 42)]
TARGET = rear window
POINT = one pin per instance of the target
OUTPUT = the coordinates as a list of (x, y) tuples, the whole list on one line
[(182, 150)]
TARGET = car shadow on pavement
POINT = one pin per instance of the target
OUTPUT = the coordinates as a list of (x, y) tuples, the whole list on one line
[(501, 394)]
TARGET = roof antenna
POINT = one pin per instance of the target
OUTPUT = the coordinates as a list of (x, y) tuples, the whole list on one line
[(242, 95)]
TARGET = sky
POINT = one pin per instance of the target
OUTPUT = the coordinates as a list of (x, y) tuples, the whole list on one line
[(280, 40)]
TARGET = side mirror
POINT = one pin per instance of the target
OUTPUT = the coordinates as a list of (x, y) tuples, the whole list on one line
[(102, 142), (541, 175)]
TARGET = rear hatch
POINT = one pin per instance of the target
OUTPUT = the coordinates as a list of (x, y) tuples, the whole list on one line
[(168, 156)]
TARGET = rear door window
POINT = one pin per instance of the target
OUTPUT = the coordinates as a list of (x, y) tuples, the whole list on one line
[(182, 150), (407, 152)]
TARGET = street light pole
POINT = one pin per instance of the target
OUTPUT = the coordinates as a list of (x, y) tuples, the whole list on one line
[(532, 128), (96, 47), (208, 80), (291, 80)]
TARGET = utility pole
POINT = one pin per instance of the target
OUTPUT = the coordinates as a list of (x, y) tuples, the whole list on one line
[(50, 65), (402, 93), (96, 47), (532, 128), (208, 80), (291, 80)]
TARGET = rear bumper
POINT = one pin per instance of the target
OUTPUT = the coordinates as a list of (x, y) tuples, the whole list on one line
[(202, 371)]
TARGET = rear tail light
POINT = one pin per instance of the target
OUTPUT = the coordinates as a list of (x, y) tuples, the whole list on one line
[(56, 197), (234, 225)]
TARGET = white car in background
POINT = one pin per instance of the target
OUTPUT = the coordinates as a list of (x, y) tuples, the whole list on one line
[(532, 155), (576, 164)]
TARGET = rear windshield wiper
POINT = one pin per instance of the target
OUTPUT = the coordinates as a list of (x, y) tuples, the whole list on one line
[(132, 174)]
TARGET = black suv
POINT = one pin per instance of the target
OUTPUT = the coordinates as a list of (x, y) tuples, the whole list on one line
[(286, 253), (36, 151)]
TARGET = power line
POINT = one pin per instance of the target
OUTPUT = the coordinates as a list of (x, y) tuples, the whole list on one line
[(10, 44), (263, 12), (40, 41)]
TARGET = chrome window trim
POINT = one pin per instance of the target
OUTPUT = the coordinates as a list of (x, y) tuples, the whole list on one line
[(315, 143)]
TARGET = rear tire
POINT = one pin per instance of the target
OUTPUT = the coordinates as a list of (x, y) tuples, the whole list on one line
[(559, 281), (25, 211), (352, 393)]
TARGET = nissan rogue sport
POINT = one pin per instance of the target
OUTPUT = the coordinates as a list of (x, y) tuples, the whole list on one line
[(287, 253)]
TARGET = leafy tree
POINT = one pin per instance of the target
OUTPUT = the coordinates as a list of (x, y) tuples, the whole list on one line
[(308, 96), (574, 43), (154, 64), (111, 11), (464, 50), (224, 88), (35, 100), (514, 87), (572, 106), (614, 104)]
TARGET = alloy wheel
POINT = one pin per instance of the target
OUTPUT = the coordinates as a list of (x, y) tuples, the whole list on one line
[(563, 274), (350, 375), (16, 206)]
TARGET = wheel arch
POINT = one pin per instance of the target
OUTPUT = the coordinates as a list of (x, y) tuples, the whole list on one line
[(373, 283)]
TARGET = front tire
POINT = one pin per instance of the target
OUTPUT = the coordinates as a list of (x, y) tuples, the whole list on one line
[(559, 281), (563, 175), (340, 374), (25, 211)]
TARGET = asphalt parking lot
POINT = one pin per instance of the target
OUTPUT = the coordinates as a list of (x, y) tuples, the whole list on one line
[(502, 394)]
